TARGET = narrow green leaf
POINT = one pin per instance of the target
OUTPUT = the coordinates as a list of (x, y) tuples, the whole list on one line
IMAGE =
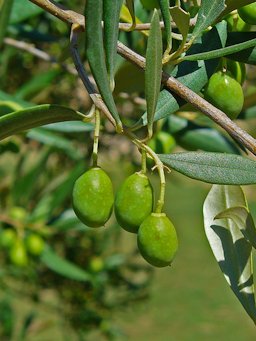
[(231, 250), (208, 13), (64, 267), (247, 55), (70, 127), (111, 15), (96, 55), (215, 168), (243, 219), (164, 6), (192, 74), (153, 69), (12, 98), (36, 84), (39, 115), (5, 13), (130, 6), (221, 52), (58, 142), (24, 185), (23, 10)]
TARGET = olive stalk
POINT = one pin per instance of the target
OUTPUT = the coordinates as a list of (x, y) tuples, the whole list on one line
[(143, 161), (159, 166), (96, 138)]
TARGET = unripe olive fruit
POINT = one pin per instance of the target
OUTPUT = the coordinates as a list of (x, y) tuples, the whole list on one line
[(150, 4), (237, 69), (96, 264), (93, 197), (35, 244), (157, 240), (134, 202), (225, 93), (18, 213), (18, 254), (248, 13), (7, 237)]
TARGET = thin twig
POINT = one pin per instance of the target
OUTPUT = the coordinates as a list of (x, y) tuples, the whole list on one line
[(170, 82)]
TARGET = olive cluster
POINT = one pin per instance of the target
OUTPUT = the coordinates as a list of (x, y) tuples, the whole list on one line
[(93, 202), (18, 248)]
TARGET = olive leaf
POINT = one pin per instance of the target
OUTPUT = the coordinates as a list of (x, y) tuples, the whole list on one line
[(32, 117), (130, 6), (208, 13), (243, 219), (215, 168), (232, 251), (181, 18), (96, 55), (153, 69), (164, 6), (246, 55), (231, 5), (64, 267), (221, 52), (5, 13), (111, 15)]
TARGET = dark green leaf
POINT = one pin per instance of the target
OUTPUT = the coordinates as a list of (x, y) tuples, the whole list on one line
[(70, 127), (96, 55), (21, 120), (222, 52), (153, 69), (231, 250), (215, 168), (63, 267), (5, 12), (231, 5), (111, 15), (208, 13), (164, 6), (130, 6), (248, 55)]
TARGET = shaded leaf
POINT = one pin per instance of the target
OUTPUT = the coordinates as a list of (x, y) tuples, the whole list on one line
[(164, 6), (64, 267), (247, 55), (5, 13), (96, 55), (70, 127), (131, 9), (215, 168), (111, 15), (244, 221), (231, 250)]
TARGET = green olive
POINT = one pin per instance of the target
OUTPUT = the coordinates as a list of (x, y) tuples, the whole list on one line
[(7, 237), (157, 240), (225, 93), (93, 197), (248, 13), (18, 254), (35, 244), (134, 202), (18, 213), (237, 69), (150, 4), (96, 264)]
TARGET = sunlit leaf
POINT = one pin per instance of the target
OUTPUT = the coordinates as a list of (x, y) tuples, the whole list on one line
[(231, 250), (215, 168)]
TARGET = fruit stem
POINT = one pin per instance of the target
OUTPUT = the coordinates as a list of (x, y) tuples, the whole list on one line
[(96, 139), (159, 166), (143, 161)]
